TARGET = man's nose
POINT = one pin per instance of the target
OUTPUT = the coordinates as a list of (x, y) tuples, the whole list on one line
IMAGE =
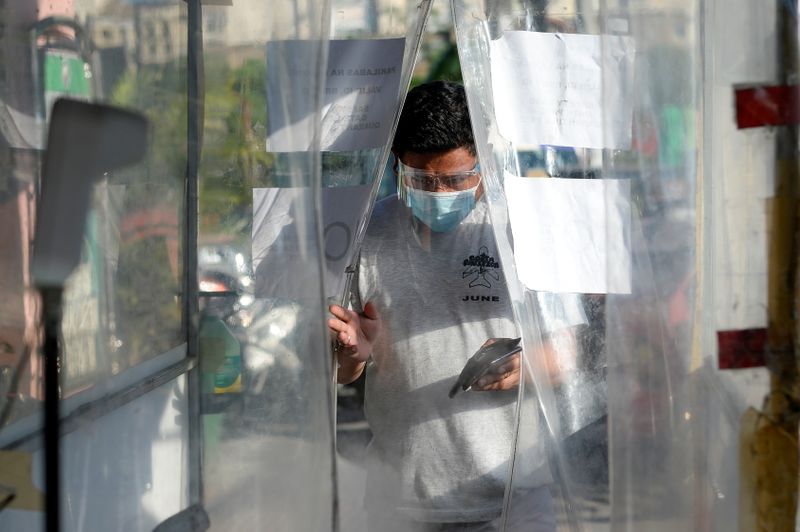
[(438, 186)]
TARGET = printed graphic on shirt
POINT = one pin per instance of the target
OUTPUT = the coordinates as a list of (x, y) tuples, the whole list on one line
[(481, 269)]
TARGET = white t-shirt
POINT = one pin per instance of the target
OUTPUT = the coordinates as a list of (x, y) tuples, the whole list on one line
[(440, 297)]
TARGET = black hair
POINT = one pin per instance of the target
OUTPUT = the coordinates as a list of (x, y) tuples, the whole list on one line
[(435, 118)]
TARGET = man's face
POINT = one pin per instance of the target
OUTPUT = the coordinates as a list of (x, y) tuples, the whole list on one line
[(442, 171)]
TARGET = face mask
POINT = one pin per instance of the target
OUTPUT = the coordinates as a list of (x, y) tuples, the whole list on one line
[(441, 211)]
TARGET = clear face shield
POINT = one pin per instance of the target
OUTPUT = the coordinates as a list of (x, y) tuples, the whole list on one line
[(440, 200)]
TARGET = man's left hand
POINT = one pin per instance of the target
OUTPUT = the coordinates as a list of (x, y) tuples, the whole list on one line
[(558, 353), (503, 377)]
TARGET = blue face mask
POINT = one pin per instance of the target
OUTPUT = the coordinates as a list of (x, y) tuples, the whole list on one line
[(441, 211)]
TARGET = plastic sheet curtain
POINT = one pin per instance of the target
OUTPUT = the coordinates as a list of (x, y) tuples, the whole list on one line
[(372, 53), (142, 375), (378, 41), (268, 442), (652, 333), (586, 135), (636, 229), (700, 354), (525, 64), (695, 142), (287, 183)]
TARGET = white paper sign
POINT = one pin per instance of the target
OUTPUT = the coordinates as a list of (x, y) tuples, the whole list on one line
[(278, 237), (571, 235), (362, 83), (562, 89)]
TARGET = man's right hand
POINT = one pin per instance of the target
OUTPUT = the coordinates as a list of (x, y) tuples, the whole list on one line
[(354, 334)]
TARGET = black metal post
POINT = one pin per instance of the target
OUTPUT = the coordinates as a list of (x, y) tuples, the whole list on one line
[(194, 79), (51, 304)]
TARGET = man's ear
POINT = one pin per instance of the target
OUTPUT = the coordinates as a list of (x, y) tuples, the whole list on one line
[(395, 162)]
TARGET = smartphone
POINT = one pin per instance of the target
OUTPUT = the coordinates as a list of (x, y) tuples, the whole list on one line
[(484, 359)]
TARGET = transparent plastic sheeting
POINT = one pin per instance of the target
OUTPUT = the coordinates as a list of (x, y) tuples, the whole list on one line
[(263, 198), (651, 331), (268, 442), (371, 56), (552, 97), (700, 268), (127, 389), (696, 246), (672, 460)]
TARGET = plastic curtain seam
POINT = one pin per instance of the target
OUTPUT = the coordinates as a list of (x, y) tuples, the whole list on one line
[(322, 57)]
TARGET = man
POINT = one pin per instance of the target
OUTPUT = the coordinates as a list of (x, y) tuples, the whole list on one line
[(434, 292)]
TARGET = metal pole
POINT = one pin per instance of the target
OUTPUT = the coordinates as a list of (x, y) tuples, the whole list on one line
[(51, 304), (194, 79)]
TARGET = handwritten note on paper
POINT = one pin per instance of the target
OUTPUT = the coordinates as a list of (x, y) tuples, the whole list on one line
[(281, 232), (571, 235), (563, 89), (362, 82)]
